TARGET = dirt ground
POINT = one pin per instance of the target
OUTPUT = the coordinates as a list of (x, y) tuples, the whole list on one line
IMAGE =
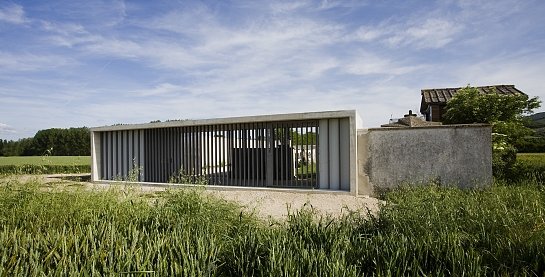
[(266, 204)]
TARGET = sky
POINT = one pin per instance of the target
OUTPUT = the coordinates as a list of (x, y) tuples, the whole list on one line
[(94, 63)]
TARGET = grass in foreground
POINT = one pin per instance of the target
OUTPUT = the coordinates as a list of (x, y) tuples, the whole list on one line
[(429, 230)]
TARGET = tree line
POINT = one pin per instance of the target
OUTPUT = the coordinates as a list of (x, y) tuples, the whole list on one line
[(51, 142)]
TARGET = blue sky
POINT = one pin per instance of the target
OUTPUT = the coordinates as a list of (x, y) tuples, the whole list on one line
[(92, 63)]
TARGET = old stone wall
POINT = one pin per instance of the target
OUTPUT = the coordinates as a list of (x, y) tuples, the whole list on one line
[(451, 154)]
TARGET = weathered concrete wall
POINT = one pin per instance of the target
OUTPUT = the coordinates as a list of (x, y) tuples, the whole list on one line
[(452, 154)]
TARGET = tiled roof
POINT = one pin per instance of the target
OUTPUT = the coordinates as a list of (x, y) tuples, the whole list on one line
[(442, 95)]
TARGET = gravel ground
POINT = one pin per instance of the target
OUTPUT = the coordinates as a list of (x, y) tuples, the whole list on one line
[(266, 203), (276, 204)]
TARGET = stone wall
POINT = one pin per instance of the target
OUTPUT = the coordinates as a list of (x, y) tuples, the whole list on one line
[(451, 155)]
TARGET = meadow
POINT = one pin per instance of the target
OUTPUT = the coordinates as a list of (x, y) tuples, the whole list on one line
[(45, 164), (428, 230)]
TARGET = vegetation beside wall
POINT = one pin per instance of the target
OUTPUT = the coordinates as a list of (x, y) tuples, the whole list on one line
[(506, 114)]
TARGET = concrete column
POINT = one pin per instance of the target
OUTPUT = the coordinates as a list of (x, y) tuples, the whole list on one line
[(96, 156)]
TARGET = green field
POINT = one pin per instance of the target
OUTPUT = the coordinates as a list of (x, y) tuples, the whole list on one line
[(45, 165), (535, 159), (54, 160)]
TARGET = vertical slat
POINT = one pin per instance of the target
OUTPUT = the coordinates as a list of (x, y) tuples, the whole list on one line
[(200, 145), (180, 149), (260, 156), (126, 156), (191, 158), (226, 156), (314, 145), (282, 161), (223, 156), (105, 159), (114, 154), (153, 155), (130, 149), (307, 148), (149, 155), (171, 152), (314, 155), (142, 153), (238, 156), (216, 154), (161, 140), (299, 148), (120, 161), (176, 152), (184, 149), (231, 161), (155, 152), (208, 161), (119, 155), (245, 155), (270, 155), (111, 155), (344, 149), (248, 154), (150, 167), (323, 154), (334, 154)]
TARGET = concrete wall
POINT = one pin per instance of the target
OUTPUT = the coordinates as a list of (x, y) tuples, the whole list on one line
[(452, 154)]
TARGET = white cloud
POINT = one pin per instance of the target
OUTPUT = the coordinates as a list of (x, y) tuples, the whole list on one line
[(285, 7), (6, 129), (433, 33), (13, 14), (366, 34), (429, 33), (161, 89), (32, 62), (368, 63)]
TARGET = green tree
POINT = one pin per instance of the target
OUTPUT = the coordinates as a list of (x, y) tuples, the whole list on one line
[(504, 112), (62, 142)]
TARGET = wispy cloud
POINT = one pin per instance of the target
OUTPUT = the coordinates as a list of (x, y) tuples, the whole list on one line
[(6, 129), (13, 13), (159, 90), (32, 62), (368, 63)]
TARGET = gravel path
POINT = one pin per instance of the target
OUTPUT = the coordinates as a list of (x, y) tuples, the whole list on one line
[(271, 203), (277, 204)]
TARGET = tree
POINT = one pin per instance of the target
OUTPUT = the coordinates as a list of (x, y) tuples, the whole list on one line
[(504, 112), (62, 142)]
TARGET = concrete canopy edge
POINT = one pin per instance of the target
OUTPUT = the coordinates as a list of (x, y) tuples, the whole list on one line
[(230, 120)]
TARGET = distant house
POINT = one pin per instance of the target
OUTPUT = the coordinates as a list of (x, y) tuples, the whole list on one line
[(434, 101)]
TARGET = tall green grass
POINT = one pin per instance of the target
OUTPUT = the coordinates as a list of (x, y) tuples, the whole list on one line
[(429, 230)]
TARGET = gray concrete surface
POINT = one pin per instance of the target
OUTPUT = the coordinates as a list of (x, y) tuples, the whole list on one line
[(458, 155)]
